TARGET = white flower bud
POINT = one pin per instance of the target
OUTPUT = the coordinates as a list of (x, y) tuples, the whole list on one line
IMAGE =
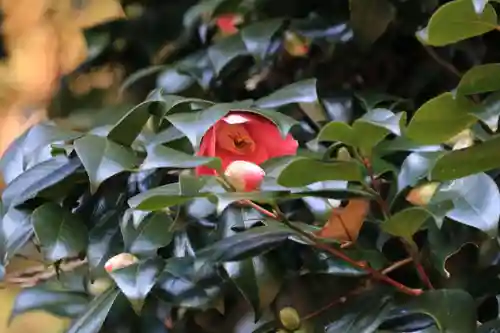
[(244, 176)]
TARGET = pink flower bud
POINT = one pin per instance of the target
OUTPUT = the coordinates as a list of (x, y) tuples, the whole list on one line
[(244, 176), (120, 261)]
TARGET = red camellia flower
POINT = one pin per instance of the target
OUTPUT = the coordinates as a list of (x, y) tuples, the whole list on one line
[(244, 136), (227, 23)]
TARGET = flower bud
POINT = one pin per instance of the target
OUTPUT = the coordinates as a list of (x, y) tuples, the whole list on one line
[(422, 195), (244, 176), (120, 261), (290, 318)]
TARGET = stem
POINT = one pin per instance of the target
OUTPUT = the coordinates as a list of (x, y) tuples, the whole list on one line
[(410, 248), (337, 253), (376, 274)]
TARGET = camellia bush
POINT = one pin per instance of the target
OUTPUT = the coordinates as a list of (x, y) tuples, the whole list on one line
[(268, 166)]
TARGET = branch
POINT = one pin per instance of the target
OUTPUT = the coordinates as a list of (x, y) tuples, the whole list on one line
[(410, 248)]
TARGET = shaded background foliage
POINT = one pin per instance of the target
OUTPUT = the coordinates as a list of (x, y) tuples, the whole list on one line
[(324, 64)]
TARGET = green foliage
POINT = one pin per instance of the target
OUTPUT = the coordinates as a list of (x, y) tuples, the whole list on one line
[(377, 112)]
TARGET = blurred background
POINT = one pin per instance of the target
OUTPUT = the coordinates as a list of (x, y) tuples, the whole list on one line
[(42, 41)]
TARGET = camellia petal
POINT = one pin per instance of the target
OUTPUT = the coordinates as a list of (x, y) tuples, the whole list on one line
[(244, 136)]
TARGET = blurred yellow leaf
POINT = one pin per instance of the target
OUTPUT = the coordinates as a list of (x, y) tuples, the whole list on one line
[(344, 223)]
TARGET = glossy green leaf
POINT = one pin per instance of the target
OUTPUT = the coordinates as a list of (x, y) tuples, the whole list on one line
[(16, 231), (475, 199), (255, 278), (370, 18), (479, 5), (440, 119), (298, 92), (415, 167), (91, 321), (282, 121), (480, 79), (181, 286), (361, 314), (160, 156), (257, 36), (137, 280), (144, 235), (105, 239), (196, 124), (367, 131), (103, 158), (453, 310), (159, 198), (298, 172), (57, 302), (457, 20), (489, 111), (406, 223), (455, 164), (38, 178), (61, 234), (226, 50), (245, 244)]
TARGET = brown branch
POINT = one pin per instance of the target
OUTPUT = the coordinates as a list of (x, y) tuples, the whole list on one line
[(355, 291), (33, 275), (386, 211)]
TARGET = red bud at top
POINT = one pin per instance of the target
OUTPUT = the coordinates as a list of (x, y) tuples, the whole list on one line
[(244, 176), (120, 261)]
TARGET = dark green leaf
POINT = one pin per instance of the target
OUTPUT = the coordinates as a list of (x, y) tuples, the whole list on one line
[(298, 172), (144, 235), (103, 158), (455, 164), (441, 118), (257, 37), (160, 156), (298, 92), (16, 231), (40, 177), (256, 278), (196, 124), (370, 18), (367, 131), (489, 111), (226, 50), (361, 314), (457, 20), (60, 233), (57, 302), (91, 321), (480, 79), (453, 310), (246, 244), (104, 239), (159, 198), (137, 280), (406, 223), (416, 166)]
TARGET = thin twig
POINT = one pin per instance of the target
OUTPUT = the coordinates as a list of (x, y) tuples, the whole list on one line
[(396, 265), (336, 301), (452, 69), (339, 254), (386, 212), (355, 291), (33, 275)]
